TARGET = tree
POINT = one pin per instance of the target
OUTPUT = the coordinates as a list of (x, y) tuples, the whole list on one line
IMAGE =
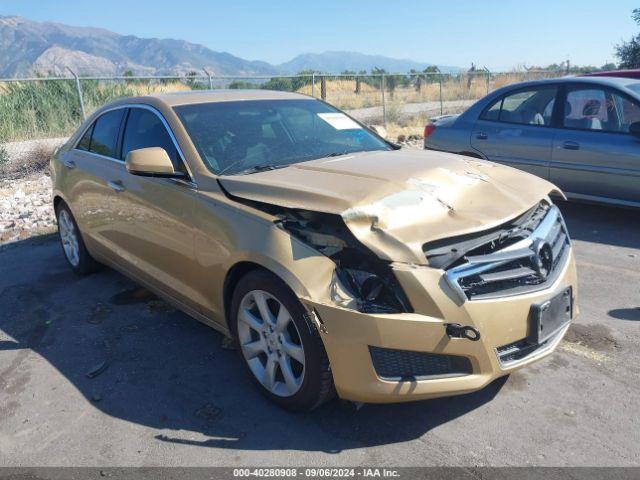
[(279, 83), (390, 81), (416, 79), (435, 74), (192, 81), (470, 72), (629, 52), (241, 85)]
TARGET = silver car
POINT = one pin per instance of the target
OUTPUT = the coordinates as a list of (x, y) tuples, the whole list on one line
[(581, 133)]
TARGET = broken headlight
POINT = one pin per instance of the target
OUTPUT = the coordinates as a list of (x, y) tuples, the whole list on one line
[(368, 292), (362, 281)]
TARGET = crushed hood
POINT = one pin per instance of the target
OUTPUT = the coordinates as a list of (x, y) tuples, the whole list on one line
[(395, 201)]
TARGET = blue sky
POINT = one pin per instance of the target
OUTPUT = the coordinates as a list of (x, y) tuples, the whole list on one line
[(496, 33)]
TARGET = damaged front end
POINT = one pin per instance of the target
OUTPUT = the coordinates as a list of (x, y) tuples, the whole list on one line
[(523, 255), (362, 281)]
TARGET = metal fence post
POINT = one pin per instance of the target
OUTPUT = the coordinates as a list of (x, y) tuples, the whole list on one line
[(384, 105), (313, 84), (440, 89), (79, 89), (210, 79), (488, 79)]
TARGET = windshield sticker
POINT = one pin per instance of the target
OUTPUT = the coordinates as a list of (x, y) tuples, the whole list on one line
[(339, 121)]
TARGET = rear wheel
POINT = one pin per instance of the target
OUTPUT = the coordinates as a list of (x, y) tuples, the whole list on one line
[(280, 346), (73, 246)]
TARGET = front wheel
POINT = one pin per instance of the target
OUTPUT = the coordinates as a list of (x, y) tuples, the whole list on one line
[(280, 346)]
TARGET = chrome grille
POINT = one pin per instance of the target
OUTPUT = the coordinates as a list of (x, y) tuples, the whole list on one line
[(528, 257)]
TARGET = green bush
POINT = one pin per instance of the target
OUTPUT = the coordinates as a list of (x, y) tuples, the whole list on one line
[(289, 84), (50, 108), (242, 85)]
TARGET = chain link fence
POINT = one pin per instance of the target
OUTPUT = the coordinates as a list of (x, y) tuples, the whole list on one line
[(36, 114)]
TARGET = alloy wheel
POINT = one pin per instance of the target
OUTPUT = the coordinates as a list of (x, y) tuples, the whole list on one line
[(270, 343), (69, 238)]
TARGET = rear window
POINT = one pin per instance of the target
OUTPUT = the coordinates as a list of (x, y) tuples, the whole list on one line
[(525, 107), (85, 141), (102, 136)]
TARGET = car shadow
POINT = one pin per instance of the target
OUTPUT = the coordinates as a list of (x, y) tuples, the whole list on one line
[(135, 358), (602, 224), (625, 314)]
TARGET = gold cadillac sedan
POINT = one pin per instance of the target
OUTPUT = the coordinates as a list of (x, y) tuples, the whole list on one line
[(338, 262)]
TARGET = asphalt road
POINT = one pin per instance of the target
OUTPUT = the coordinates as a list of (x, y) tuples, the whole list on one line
[(165, 392)]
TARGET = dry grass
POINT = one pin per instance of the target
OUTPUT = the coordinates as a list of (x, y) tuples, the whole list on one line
[(413, 126), (341, 91), (30, 110)]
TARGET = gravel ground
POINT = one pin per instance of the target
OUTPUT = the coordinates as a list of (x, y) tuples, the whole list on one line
[(96, 372), (25, 208)]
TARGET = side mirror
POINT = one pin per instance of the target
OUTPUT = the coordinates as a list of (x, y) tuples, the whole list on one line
[(634, 129), (150, 162)]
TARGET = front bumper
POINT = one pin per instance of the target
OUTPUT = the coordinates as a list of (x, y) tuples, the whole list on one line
[(348, 336)]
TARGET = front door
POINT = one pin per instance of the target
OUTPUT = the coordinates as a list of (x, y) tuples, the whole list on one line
[(594, 155)]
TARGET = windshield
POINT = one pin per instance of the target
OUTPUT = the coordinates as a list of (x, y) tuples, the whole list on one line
[(247, 136)]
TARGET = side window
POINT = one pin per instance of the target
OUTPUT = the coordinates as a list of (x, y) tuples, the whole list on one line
[(144, 129), (85, 141), (493, 112), (599, 109), (586, 109), (629, 112), (104, 138), (525, 107)]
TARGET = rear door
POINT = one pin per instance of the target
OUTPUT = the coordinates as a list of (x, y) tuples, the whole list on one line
[(93, 169), (594, 156), (517, 129)]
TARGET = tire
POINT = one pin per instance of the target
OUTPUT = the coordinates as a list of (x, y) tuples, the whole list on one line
[(73, 247), (268, 350)]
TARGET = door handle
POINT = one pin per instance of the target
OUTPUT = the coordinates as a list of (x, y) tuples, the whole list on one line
[(481, 135), (569, 145), (70, 164), (116, 185)]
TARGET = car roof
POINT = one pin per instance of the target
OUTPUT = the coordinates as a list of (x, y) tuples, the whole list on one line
[(597, 80), (211, 96), (632, 73)]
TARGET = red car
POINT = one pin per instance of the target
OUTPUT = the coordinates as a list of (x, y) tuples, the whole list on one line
[(635, 73)]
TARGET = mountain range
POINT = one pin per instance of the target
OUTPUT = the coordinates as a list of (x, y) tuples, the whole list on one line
[(29, 48)]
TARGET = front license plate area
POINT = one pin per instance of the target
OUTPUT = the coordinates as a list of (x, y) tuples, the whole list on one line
[(548, 317)]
